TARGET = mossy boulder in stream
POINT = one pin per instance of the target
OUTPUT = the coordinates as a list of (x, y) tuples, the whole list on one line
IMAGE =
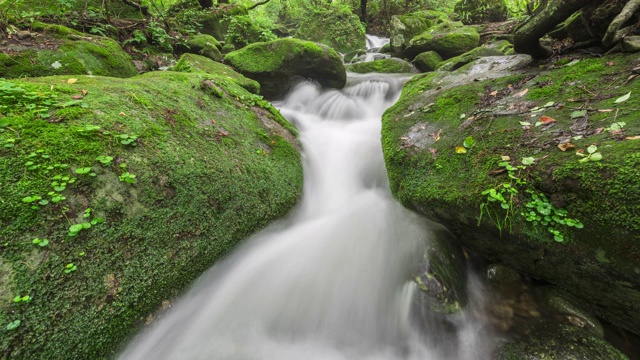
[(471, 55), (550, 341), (276, 64), (337, 27), (389, 66), (138, 186), (455, 143), (448, 39), (57, 50), (427, 61), (406, 27)]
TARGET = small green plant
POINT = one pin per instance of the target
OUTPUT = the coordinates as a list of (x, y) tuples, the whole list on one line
[(13, 325), (105, 160), (85, 170), (20, 299), (542, 212), (69, 268), (592, 154), (40, 242), (127, 177), (128, 139)]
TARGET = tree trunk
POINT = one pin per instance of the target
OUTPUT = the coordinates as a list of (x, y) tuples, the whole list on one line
[(363, 11), (205, 4), (526, 40)]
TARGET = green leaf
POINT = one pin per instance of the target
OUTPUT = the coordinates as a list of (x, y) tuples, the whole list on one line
[(591, 149), (14, 324), (578, 114), (44, 242), (83, 170), (595, 157), (528, 161), (469, 142), (623, 98)]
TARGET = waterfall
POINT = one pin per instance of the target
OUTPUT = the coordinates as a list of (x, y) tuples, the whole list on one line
[(331, 281)]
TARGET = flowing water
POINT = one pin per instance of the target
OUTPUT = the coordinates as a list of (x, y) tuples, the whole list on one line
[(329, 282)]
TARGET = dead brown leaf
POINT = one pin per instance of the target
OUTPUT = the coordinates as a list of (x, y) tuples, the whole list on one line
[(84, 92), (521, 93), (72, 81), (637, 137), (433, 152), (566, 146), (493, 93), (547, 119)]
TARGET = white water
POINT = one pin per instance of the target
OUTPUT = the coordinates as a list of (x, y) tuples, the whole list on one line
[(330, 282)]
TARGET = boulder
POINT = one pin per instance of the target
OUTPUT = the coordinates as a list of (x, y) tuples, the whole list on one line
[(390, 65), (406, 27), (447, 39), (552, 341), (201, 44), (472, 55), (57, 50), (277, 63), (197, 63), (427, 61), (590, 244), (243, 31), (561, 303), (338, 28), (157, 176)]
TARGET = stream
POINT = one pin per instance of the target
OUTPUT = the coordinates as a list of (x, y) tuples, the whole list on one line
[(330, 282)]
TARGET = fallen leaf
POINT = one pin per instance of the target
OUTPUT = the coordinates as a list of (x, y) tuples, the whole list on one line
[(580, 151), (615, 132), (494, 93), (433, 152), (84, 92), (610, 63), (521, 93), (578, 114), (623, 98), (51, 88), (566, 146), (598, 131), (605, 110), (637, 137), (72, 81), (404, 138), (122, 113), (546, 119), (437, 135), (76, 97), (461, 150), (525, 123), (505, 158)]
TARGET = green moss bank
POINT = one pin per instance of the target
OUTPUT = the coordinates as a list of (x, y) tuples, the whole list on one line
[(424, 131), (338, 28), (212, 163), (387, 66)]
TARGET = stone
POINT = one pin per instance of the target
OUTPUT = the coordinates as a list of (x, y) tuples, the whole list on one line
[(277, 63), (389, 66), (464, 59), (447, 39), (560, 302), (427, 61), (197, 63), (202, 44), (406, 27)]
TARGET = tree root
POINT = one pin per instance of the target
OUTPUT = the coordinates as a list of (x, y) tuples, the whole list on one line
[(614, 34)]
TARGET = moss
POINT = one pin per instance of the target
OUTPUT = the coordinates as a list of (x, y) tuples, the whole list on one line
[(464, 59), (92, 55), (210, 170), (427, 61), (275, 64), (430, 177), (447, 39), (391, 65), (337, 27), (54, 29), (112, 9), (196, 63), (202, 44)]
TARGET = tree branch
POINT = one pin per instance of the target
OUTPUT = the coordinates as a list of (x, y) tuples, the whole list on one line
[(143, 9), (257, 4)]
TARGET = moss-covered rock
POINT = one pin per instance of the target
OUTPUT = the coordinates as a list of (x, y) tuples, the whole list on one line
[(275, 65), (213, 21), (406, 27), (337, 27), (471, 55), (197, 63), (65, 52), (212, 164), (447, 39), (551, 341), (427, 61), (201, 44), (390, 65), (499, 110)]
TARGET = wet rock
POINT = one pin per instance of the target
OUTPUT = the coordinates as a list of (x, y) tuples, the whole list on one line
[(352, 55), (552, 341), (441, 276), (559, 302), (464, 59), (504, 279), (447, 39), (275, 64), (388, 66), (427, 61)]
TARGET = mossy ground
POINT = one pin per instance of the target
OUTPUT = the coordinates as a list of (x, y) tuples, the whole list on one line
[(433, 179), (210, 170)]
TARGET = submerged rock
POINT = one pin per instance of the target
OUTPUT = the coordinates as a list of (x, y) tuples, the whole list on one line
[(170, 171), (551, 341), (562, 303), (276, 64), (57, 50)]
